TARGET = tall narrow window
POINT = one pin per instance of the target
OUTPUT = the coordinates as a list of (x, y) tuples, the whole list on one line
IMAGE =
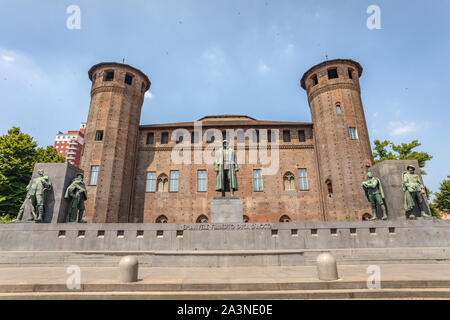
[(180, 138), (240, 136), (269, 135), (224, 135), (173, 185), (94, 176), (332, 73), (150, 138), (350, 73), (194, 137), (128, 79), (338, 109), (329, 186), (108, 76), (315, 80), (99, 135), (165, 138), (201, 180), (286, 136), (301, 135), (256, 136), (302, 179), (288, 181), (257, 180), (162, 183), (210, 136), (150, 182), (352, 132)]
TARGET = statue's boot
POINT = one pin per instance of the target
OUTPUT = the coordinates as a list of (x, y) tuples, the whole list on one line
[(374, 215), (412, 217), (384, 217), (80, 217), (373, 218), (383, 208), (424, 215), (41, 214), (33, 214)]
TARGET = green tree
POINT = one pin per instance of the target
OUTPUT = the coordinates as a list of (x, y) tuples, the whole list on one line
[(442, 200), (386, 150), (18, 154)]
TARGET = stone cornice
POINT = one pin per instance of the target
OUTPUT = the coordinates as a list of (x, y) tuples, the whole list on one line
[(330, 87), (283, 147)]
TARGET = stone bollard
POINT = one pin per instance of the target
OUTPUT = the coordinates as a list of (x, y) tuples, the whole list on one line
[(128, 269), (327, 267)]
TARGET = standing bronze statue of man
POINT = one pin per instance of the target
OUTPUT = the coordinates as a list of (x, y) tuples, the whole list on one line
[(414, 191), (375, 195), (78, 194), (36, 195), (225, 165)]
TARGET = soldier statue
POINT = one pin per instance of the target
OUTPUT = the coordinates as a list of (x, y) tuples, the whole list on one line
[(414, 191), (375, 195), (36, 195), (78, 194), (225, 165)]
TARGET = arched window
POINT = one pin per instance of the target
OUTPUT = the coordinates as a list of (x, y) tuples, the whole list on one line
[(161, 219), (202, 219), (245, 219), (366, 216), (329, 187), (163, 183), (288, 181), (285, 218)]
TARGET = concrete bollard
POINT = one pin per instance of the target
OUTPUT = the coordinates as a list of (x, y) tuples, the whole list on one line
[(128, 269), (327, 267)]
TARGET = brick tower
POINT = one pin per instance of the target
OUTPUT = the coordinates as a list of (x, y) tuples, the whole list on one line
[(340, 136), (112, 127)]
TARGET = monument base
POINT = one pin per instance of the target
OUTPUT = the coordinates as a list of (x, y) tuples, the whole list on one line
[(226, 210)]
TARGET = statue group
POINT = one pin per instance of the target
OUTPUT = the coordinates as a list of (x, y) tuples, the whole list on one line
[(413, 189), (76, 193)]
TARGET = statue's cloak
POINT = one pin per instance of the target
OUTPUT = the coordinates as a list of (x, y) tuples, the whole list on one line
[(74, 186)]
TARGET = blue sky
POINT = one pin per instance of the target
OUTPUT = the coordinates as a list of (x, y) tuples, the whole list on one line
[(230, 57)]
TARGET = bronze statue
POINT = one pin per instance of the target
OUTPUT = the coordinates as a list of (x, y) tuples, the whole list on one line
[(36, 195), (414, 191), (78, 194), (225, 165), (375, 195)]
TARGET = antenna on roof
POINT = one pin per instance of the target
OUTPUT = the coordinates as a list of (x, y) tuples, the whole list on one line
[(123, 60), (326, 57)]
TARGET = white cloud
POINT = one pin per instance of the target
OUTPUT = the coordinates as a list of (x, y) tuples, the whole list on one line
[(214, 60), (399, 128), (289, 49), (148, 95), (7, 58), (263, 68)]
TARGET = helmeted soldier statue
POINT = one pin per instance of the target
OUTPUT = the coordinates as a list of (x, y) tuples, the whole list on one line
[(225, 165), (375, 195), (414, 191), (78, 194), (36, 195)]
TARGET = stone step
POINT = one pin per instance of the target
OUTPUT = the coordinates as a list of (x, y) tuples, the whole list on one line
[(434, 293), (222, 287), (225, 258)]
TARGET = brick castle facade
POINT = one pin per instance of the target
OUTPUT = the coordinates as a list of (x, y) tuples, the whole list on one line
[(133, 174)]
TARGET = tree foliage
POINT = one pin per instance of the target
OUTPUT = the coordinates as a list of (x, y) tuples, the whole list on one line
[(18, 155), (442, 200), (386, 150)]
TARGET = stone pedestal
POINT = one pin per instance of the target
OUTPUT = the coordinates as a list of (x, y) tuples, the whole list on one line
[(390, 174), (226, 210), (55, 206)]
